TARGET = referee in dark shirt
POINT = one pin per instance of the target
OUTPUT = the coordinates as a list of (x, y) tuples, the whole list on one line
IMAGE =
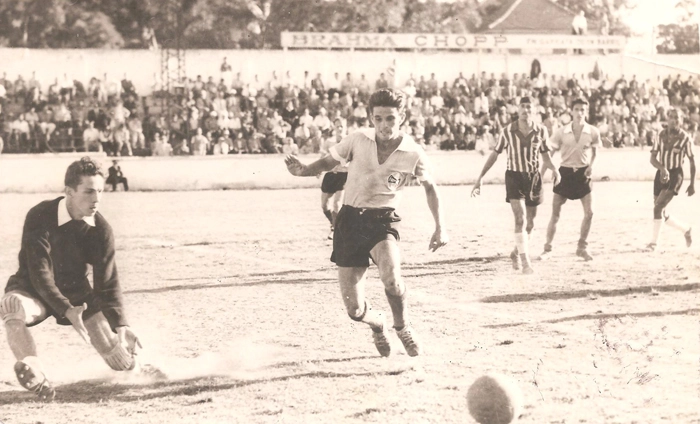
[(59, 239)]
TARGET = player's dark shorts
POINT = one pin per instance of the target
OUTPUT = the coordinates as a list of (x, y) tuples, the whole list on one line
[(357, 231), (334, 181), (574, 183), (674, 183), (524, 185)]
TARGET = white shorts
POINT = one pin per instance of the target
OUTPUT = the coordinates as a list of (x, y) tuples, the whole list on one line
[(32, 312)]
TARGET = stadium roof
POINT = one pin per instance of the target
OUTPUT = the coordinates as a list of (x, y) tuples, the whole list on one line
[(528, 17)]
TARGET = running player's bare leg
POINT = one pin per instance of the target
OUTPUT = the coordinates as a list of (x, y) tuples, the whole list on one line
[(521, 242), (530, 215), (660, 203), (352, 289), (581, 250), (387, 256), (325, 197), (661, 215), (336, 203), (557, 202)]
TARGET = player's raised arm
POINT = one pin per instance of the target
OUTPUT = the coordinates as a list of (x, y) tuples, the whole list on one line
[(299, 169), (490, 161)]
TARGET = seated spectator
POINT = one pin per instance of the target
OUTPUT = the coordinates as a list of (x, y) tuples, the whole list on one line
[(605, 135), (222, 145), (199, 143), (181, 149), (359, 114), (93, 139), (116, 177), (289, 147), (3, 93), (121, 141), (20, 129), (161, 147)]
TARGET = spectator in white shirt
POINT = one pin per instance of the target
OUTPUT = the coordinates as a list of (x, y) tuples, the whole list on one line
[(93, 138)]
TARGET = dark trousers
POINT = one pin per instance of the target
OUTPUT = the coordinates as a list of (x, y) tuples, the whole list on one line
[(115, 181)]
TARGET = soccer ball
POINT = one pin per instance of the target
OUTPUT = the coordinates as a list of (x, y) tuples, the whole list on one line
[(494, 399)]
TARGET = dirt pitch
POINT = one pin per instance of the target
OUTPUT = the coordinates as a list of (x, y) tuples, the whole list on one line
[(234, 296)]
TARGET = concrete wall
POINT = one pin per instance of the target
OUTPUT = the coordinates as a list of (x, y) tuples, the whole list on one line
[(44, 173), (142, 65)]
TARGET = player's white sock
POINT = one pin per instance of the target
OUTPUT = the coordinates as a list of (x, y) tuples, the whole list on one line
[(657, 231), (678, 225), (521, 243)]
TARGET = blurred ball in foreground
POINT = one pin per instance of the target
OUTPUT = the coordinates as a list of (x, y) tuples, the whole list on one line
[(494, 399)]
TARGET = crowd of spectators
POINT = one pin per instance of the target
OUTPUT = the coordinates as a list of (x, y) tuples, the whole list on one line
[(233, 116)]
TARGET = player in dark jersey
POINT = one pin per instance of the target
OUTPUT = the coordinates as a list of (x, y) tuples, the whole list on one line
[(61, 237)]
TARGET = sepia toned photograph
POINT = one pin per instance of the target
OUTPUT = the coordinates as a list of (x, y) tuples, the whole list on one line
[(349, 211)]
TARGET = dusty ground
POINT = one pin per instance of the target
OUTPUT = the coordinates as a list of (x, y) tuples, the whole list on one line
[(234, 297)]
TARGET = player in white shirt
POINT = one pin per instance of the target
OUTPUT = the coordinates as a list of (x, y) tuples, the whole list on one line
[(382, 161)]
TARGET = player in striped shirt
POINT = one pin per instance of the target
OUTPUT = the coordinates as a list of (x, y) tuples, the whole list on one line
[(671, 146), (524, 141)]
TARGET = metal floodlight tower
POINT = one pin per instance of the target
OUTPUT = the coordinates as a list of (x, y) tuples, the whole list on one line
[(172, 58)]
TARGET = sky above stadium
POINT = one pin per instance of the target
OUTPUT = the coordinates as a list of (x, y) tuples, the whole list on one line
[(650, 13)]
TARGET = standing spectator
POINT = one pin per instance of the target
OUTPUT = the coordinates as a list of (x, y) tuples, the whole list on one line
[(334, 84), (348, 84), (579, 26), (226, 71), (67, 89), (3, 95), (363, 88), (381, 83), (148, 37), (317, 84), (116, 176)]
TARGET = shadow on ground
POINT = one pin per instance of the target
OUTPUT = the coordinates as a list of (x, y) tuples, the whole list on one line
[(574, 294), (692, 311), (97, 391)]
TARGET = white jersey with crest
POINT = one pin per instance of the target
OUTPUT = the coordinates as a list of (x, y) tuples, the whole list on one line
[(371, 184)]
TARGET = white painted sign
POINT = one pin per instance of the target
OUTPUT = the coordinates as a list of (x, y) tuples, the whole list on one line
[(342, 40)]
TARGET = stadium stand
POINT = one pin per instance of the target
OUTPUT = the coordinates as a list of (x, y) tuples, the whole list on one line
[(236, 116)]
